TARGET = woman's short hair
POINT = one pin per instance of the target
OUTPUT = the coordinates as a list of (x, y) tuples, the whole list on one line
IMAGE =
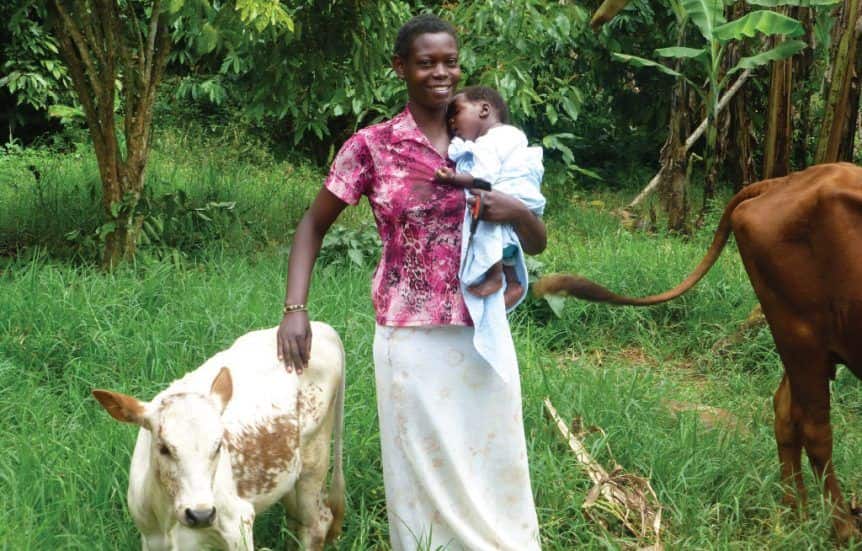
[(421, 24), (493, 97)]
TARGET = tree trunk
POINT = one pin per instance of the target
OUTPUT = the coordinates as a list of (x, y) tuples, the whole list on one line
[(710, 178), (735, 138), (98, 45), (837, 112), (845, 150), (741, 170), (121, 206), (673, 179), (711, 102), (776, 155), (803, 64)]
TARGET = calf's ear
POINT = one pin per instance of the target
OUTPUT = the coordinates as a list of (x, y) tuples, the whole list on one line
[(121, 407), (222, 389)]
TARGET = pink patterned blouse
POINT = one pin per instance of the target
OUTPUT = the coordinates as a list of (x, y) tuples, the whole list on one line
[(393, 164)]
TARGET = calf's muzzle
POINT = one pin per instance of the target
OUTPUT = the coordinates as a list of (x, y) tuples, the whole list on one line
[(200, 518)]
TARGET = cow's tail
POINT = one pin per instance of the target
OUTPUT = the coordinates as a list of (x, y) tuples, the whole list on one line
[(580, 287), (335, 497)]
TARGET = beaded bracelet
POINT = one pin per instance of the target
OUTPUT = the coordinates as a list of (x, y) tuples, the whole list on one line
[(288, 308)]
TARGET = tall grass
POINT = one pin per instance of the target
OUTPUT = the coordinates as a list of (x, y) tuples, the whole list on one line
[(67, 328)]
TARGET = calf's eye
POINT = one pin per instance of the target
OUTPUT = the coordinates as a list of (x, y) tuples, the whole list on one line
[(163, 449)]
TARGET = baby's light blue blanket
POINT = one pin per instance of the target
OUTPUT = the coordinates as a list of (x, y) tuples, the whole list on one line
[(503, 158)]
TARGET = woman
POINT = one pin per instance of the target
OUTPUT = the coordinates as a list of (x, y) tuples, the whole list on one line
[(454, 455)]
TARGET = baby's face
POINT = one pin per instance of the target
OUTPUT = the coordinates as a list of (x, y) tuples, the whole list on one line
[(465, 120)]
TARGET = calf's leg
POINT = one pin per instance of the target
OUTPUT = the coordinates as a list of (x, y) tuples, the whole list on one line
[(235, 525), (306, 505), (156, 541)]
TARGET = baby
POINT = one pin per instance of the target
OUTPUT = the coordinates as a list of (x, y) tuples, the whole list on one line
[(488, 150)]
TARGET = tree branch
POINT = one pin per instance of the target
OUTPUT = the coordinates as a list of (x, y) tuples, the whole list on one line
[(73, 32), (110, 28), (151, 46), (160, 61), (83, 10), (137, 34), (79, 81), (163, 48)]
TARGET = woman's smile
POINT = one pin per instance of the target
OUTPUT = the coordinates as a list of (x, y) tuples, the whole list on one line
[(442, 91)]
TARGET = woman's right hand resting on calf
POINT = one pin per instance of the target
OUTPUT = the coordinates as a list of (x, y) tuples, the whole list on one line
[(294, 341)]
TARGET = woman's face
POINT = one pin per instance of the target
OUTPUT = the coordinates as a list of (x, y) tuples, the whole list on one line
[(431, 69)]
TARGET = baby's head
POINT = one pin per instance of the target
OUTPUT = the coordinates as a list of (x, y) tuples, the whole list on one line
[(475, 110)]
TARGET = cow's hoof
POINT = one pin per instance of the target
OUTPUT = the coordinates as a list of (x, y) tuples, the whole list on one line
[(847, 529), (846, 536)]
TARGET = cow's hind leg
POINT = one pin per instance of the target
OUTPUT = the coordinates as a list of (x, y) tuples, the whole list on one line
[(810, 393), (789, 440)]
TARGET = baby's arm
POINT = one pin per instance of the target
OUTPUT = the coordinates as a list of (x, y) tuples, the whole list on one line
[(464, 180)]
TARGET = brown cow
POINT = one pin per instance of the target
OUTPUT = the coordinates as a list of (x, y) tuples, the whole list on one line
[(800, 239)]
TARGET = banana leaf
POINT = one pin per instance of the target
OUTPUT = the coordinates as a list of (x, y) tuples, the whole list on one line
[(643, 62), (680, 52), (800, 3), (782, 51), (759, 22), (706, 14)]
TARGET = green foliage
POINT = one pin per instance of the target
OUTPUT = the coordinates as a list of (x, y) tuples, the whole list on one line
[(708, 16), (716, 34), (784, 50), (171, 225), (760, 22), (320, 82), (312, 73), (705, 14), (530, 54), (800, 3), (200, 188), (32, 70), (664, 52), (343, 245), (36, 185)]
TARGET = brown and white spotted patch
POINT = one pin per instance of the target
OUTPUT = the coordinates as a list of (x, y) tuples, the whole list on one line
[(310, 404), (262, 452)]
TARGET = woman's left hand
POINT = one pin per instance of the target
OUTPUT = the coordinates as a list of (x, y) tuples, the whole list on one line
[(496, 206)]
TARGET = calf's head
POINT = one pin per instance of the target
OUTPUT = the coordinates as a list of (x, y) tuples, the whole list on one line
[(186, 443)]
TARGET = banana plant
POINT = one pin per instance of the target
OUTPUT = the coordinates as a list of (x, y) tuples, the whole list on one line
[(717, 33)]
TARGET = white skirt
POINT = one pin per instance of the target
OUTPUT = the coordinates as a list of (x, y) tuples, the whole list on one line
[(452, 435)]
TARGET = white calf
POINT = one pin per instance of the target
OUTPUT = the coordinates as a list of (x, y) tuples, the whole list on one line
[(231, 438)]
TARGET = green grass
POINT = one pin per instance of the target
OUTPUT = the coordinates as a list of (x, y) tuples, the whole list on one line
[(68, 328)]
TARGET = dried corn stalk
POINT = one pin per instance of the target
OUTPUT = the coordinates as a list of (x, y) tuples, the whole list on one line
[(628, 498)]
